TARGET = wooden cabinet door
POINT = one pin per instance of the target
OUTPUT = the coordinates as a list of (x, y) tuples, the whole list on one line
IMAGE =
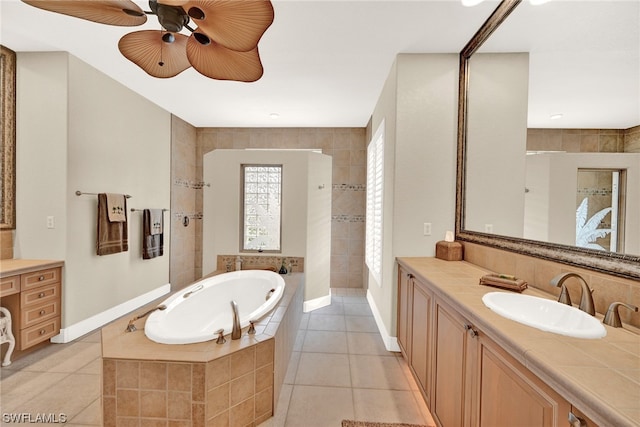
[(404, 311), (450, 368), (421, 338), (510, 395)]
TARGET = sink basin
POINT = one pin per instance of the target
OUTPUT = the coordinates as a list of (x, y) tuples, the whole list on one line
[(544, 314)]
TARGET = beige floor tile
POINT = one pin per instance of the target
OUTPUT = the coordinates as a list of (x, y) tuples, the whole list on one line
[(69, 359), (91, 415), (323, 369), (312, 406), (335, 308), (292, 369), (325, 342), (357, 310), (365, 343), (361, 324), (351, 299), (297, 345), (391, 406), (326, 322), (22, 387), (282, 407), (380, 372)]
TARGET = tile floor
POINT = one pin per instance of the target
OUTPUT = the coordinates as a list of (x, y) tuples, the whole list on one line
[(339, 370)]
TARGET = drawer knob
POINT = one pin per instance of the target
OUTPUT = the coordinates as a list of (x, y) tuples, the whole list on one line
[(41, 295), (41, 278), (43, 312), (43, 331)]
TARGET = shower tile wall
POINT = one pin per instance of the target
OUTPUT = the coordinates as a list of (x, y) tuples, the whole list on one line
[(347, 147), (578, 140), (632, 140), (183, 201)]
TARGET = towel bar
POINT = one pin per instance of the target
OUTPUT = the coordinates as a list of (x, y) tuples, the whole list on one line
[(80, 193), (140, 210)]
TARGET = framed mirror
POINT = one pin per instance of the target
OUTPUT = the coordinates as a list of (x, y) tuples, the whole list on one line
[(507, 95), (8, 138)]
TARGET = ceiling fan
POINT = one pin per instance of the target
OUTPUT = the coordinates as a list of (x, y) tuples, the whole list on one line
[(222, 46)]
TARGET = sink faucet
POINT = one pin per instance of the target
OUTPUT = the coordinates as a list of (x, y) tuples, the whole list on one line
[(586, 299), (612, 318), (236, 332)]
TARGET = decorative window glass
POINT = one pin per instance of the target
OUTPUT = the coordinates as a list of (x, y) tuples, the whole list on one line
[(261, 203)]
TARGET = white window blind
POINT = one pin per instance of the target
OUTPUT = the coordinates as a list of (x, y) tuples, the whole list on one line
[(375, 183)]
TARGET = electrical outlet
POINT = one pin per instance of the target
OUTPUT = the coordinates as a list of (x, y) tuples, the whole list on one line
[(488, 228), (426, 229), (51, 222)]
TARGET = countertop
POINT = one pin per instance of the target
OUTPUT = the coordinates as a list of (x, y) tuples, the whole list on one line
[(11, 267), (600, 377)]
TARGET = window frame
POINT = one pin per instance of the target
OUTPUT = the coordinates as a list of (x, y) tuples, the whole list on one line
[(243, 167), (374, 238)]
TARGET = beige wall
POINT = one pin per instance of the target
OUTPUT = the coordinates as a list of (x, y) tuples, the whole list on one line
[(418, 105), (346, 148), (80, 130)]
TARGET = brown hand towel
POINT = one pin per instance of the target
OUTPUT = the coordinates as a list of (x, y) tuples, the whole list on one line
[(112, 237), (152, 234)]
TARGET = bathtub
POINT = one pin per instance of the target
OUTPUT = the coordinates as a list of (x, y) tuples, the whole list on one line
[(196, 313)]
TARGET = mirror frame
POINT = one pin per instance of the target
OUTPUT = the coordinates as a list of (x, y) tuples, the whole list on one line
[(8, 137), (618, 264)]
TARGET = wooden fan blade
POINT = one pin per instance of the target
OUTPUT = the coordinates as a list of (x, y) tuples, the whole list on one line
[(123, 13), (218, 62), (156, 57), (237, 25)]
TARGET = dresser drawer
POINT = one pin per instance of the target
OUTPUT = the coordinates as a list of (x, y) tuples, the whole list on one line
[(37, 314), (9, 285), (40, 278), (37, 296), (38, 333)]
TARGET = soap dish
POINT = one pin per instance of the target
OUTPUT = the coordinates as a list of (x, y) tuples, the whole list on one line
[(504, 281)]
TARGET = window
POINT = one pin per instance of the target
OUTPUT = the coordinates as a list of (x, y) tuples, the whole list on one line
[(375, 183), (261, 202)]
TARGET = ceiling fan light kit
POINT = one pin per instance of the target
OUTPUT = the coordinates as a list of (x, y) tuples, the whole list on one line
[(223, 46)]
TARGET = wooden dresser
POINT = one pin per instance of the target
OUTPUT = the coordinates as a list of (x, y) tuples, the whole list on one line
[(31, 291)]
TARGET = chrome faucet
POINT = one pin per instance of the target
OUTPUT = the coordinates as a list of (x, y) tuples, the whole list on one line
[(236, 332), (612, 317), (586, 299), (131, 327)]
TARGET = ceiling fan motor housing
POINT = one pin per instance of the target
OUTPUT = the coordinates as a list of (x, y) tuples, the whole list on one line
[(172, 18)]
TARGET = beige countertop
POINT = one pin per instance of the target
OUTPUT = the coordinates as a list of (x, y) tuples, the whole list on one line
[(11, 267), (600, 377)]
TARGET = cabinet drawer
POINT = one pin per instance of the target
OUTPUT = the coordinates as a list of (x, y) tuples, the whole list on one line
[(38, 333), (40, 313), (9, 285), (37, 296), (40, 278)]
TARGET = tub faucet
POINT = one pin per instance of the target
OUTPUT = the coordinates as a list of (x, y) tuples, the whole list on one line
[(236, 332), (131, 327), (586, 299)]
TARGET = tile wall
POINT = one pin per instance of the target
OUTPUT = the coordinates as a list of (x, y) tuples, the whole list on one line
[(347, 147), (6, 244), (538, 273), (585, 140)]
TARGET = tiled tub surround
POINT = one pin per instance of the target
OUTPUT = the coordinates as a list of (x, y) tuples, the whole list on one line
[(600, 377), (147, 383), (260, 262)]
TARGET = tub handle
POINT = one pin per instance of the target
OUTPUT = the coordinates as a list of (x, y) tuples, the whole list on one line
[(194, 290), (270, 293), (252, 327), (221, 339)]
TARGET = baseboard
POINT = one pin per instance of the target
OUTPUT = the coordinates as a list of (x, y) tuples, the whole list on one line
[(316, 303), (390, 342), (92, 323)]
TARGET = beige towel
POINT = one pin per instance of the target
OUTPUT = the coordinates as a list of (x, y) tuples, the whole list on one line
[(117, 207), (112, 237), (152, 241)]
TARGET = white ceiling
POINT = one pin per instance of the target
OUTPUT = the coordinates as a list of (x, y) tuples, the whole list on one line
[(325, 61)]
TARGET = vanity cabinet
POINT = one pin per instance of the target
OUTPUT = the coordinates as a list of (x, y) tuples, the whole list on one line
[(414, 328), (34, 300)]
